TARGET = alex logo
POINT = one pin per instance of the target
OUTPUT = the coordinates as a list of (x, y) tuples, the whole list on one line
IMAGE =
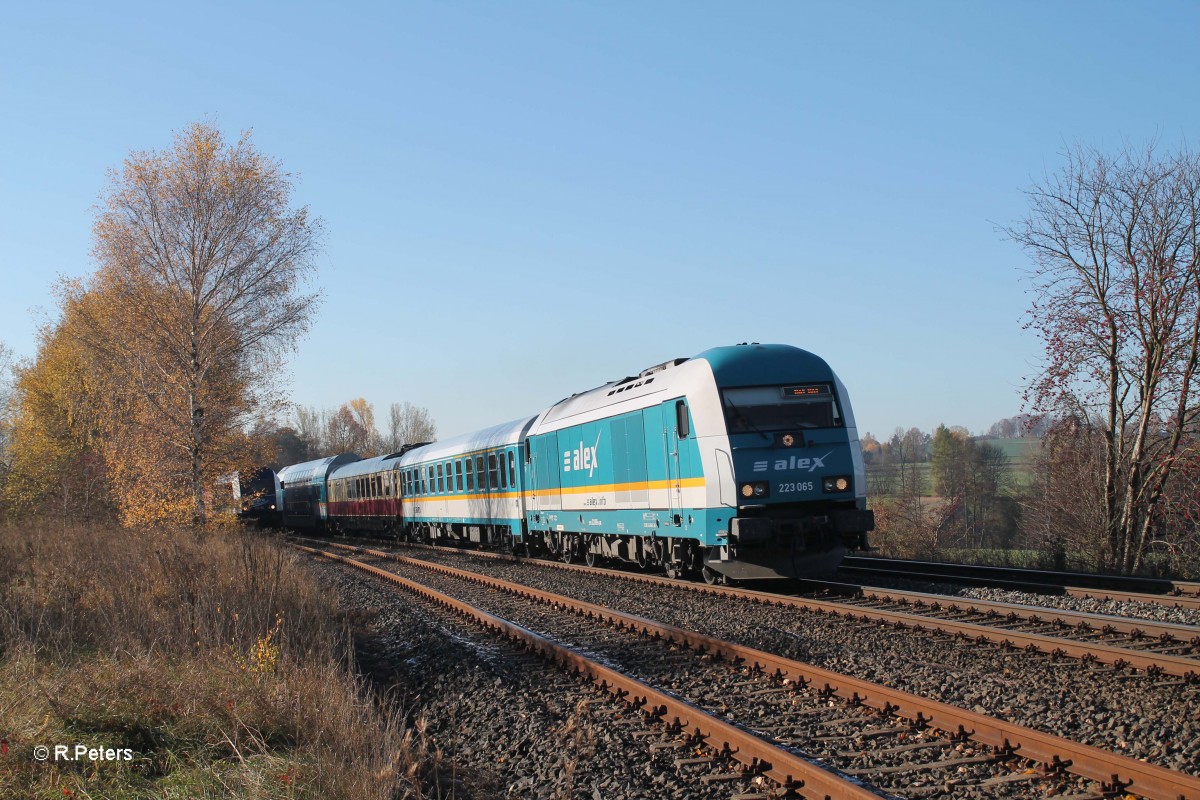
[(581, 458), (810, 464)]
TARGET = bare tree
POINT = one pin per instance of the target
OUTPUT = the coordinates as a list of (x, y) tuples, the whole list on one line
[(312, 425), (409, 424), (1115, 242), (205, 261)]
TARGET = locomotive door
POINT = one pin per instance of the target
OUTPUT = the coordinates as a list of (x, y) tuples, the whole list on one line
[(677, 430), (544, 473)]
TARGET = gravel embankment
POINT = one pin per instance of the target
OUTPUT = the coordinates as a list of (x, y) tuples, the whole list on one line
[(502, 723), (1157, 720)]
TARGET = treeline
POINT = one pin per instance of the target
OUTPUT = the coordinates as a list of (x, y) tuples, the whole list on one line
[(941, 491), (953, 496), (159, 376), (350, 428)]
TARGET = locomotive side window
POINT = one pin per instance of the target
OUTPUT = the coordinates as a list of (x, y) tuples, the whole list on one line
[(681, 419)]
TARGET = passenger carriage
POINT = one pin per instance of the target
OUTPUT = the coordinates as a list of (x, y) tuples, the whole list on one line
[(467, 489), (305, 491)]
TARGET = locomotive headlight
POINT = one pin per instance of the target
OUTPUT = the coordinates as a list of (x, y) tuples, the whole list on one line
[(756, 489), (838, 483)]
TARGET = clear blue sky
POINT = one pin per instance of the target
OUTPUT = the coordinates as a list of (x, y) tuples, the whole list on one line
[(528, 199)]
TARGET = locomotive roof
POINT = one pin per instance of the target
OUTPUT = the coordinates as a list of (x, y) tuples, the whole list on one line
[(495, 436), (734, 365), (756, 364)]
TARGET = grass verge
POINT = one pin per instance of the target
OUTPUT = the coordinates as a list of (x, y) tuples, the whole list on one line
[(186, 664)]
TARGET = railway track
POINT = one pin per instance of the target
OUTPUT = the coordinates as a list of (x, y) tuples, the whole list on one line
[(1153, 647), (851, 723), (1178, 594)]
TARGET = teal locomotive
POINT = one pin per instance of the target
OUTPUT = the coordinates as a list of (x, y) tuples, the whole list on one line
[(742, 462)]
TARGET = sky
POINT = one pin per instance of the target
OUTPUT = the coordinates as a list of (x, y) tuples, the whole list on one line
[(525, 200)]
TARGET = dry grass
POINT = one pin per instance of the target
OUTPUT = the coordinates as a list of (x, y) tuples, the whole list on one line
[(214, 657)]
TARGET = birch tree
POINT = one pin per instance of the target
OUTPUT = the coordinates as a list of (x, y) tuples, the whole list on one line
[(206, 263), (1115, 245)]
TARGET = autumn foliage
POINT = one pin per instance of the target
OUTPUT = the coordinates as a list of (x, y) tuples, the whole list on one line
[(143, 390)]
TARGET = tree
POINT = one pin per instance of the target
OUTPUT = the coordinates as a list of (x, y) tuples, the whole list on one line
[(409, 424), (59, 404), (346, 432), (1115, 243), (202, 265), (6, 391)]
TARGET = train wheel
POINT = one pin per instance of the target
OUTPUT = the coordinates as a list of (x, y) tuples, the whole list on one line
[(711, 576)]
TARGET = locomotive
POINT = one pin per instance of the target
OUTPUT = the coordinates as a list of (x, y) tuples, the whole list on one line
[(742, 462)]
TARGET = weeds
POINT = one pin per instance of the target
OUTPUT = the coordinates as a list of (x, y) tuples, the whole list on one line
[(212, 658)]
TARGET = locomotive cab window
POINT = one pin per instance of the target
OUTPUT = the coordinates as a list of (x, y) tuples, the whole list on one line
[(758, 409)]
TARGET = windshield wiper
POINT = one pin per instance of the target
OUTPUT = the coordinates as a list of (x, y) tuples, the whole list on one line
[(742, 417)]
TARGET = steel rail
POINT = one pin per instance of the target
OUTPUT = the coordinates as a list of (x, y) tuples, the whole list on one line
[(977, 576), (1137, 628), (1151, 662), (1115, 772), (1169, 600), (1138, 584), (758, 755)]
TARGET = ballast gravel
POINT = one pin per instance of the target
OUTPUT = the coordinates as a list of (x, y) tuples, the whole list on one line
[(494, 722), (1126, 712)]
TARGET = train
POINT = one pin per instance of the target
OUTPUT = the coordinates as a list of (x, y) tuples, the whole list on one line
[(740, 463)]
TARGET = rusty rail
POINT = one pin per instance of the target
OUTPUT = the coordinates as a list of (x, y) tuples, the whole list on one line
[(757, 755), (1115, 772), (1154, 663)]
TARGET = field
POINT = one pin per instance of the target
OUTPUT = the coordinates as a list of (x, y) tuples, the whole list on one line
[(192, 664)]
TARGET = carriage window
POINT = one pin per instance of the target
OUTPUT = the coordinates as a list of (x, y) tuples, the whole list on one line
[(458, 481), (512, 469), (470, 475), (503, 473), (492, 472), (480, 473)]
